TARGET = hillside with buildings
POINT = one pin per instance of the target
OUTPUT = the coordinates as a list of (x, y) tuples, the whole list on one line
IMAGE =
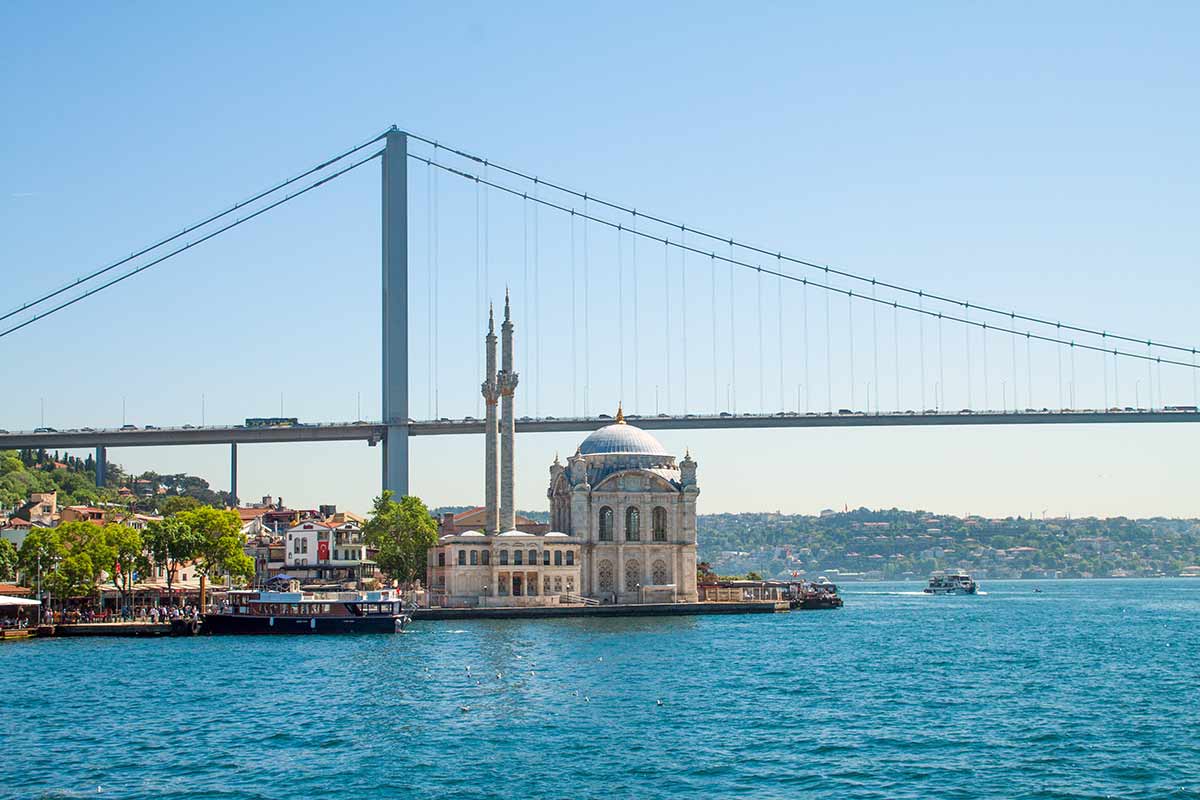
[(897, 545)]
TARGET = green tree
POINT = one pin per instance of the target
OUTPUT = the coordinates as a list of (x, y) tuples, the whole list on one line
[(220, 544), (74, 576), (170, 542), (174, 504), (8, 560), (41, 550), (402, 532), (128, 553)]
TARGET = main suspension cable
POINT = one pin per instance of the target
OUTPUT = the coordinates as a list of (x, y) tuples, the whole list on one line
[(212, 218), (687, 248), (190, 245), (802, 262)]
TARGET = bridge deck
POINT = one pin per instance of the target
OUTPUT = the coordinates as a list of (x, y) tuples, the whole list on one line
[(374, 432)]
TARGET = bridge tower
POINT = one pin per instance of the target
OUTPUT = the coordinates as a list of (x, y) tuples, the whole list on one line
[(395, 312)]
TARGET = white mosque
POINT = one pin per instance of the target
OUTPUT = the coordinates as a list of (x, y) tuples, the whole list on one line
[(622, 518)]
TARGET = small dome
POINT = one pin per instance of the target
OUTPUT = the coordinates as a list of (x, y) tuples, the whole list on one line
[(472, 533), (557, 535), (621, 437), (515, 533)]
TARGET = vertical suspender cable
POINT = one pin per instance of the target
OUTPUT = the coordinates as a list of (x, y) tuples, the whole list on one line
[(1013, 339), (1116, 381), (762, 370), (896, 354), (732, 337), (478, 298), (587, 319), (712, 263), (828, 346), (620, 318), (429, 286), (437, 314), (1104, 365), (574, 326), (1073, 375), (637, 385), (940, 394), (807, 382), (986, 404), (850, 336), (1058, 354), (779, 326), (526, 301), (921, 347), (487, 227), (683, 307), (1195, 390), (967, 331), (1149, 378), (875, 345), (1028, 372), (537, 305), (1161, 404), (668, 338)]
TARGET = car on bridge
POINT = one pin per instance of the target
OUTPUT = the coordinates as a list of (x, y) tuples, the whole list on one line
[(44, 430), (129, 426)]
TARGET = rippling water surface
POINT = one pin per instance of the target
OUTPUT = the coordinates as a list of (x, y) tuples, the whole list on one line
[(1088, 689)]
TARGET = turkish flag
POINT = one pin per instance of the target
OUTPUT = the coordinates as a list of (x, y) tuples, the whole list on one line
[(322, 551)]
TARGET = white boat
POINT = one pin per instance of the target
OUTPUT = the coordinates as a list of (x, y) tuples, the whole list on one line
[(950, 583)]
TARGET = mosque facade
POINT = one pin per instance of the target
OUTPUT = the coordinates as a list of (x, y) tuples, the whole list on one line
[(622, 517)]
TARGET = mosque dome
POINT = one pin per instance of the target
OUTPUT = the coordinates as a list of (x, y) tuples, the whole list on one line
[(621, 437)]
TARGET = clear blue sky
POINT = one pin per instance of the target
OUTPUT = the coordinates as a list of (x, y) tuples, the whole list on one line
[(1041, 159)]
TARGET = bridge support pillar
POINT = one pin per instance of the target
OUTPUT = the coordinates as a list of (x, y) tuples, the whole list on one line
[(233, 495), (395, 312), (101, 467)]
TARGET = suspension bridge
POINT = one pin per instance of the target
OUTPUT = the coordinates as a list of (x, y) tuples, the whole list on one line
[(820, 346)]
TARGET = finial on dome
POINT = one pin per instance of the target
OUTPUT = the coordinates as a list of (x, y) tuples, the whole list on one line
[(620, 415)]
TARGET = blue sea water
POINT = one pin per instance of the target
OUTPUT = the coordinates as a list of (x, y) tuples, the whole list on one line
[(1089, 689)]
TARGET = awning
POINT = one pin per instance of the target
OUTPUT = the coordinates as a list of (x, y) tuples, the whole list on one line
[(6, 601)]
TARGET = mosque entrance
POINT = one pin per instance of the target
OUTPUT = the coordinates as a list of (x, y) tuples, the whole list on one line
[(516, 586)]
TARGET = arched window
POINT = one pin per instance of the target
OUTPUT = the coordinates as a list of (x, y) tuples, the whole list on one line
[(485, 557), (633, 575), (532, 557), (546, 558), (606, 524), (632, 534), (660, 524), (474, 558), (503, 556), (517, 556), (558, 558), (658, 571), (570, 558), (606, 575), (462, 558), (442, 559)]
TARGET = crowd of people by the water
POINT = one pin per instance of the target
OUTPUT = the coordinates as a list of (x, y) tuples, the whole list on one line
[(153, 614), (19, 621)]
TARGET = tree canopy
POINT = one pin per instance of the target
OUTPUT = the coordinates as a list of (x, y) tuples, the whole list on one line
[(402, 532), (218, 547)]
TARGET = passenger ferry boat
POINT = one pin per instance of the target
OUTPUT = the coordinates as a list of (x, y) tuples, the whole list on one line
[(264, 611), (950, 583)]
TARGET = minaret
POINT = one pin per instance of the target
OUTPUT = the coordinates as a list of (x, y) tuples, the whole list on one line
[(507, 382), (490, 434)]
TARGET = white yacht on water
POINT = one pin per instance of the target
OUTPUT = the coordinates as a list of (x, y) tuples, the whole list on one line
[(950, 583)]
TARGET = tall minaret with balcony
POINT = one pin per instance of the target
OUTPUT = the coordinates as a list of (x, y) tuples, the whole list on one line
[(507, 384), (491, 470)]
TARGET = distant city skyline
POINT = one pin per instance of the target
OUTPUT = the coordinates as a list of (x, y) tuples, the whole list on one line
[(959, 151)]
